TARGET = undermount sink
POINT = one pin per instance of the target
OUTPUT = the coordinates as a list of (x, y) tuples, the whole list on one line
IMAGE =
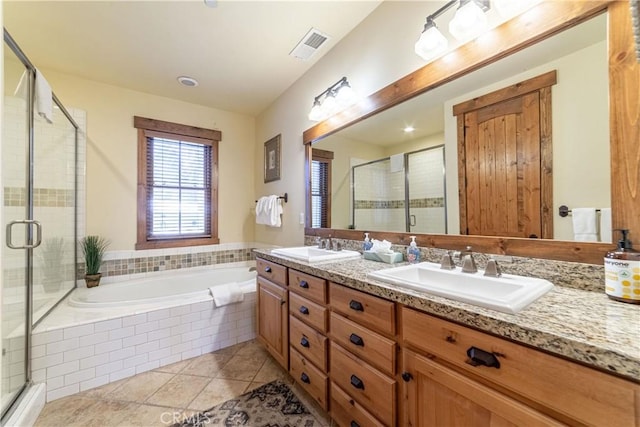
[(312, 254), (507, 293)]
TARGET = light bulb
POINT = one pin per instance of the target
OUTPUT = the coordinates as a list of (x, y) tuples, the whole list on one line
[(431, 43), (468, 22), (345, 96), (316, 112), (329, 105)]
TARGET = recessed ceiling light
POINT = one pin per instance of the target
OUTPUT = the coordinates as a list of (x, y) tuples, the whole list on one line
[(188, 81), (409, 129)]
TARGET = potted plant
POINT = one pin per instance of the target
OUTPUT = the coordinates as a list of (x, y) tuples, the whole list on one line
[(93, 248)]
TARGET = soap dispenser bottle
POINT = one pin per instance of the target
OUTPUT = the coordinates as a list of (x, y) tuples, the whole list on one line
[(622, 272), (413, 253), (367, 244)]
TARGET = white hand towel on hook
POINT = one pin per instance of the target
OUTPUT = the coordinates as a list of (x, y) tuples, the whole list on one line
[(43, 98), (262, 213), (275, 210), (605, 225), (584, 224)]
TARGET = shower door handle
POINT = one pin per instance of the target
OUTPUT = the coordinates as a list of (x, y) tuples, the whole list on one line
[(412, 221), (27, 222)]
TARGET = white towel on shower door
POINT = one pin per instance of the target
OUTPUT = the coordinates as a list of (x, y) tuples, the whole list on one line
[(43, 98), (227, 293)]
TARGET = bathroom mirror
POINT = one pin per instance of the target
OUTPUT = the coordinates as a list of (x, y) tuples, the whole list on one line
[(432, 78), (362, 173)]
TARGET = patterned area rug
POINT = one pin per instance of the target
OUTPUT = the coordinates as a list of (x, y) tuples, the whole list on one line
[(270, 405)]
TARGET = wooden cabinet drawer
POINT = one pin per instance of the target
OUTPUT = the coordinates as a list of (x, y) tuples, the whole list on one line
[(368, 310), (566, 390), (349, 413), (311, 287), (368, 386), (368, 345), (272, 271), (309, 342), (314, 381), (309, 312)]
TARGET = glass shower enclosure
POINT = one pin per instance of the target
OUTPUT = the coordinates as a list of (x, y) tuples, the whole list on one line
[(38, 264), (409, 197)]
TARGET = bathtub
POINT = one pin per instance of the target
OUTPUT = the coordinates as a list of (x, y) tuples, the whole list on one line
[(183, 285), (104, 334)]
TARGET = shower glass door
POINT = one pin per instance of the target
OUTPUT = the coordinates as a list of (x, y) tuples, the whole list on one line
[(15, 178), (426, 190)]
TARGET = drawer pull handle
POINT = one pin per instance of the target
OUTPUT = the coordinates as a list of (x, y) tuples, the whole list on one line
[(354, 424), (357, 382), (267, 269), (305, 378), (406, 376), (304, 310), (283, 301), (356, 340), (481, 357), (356, 305), (304, 284), (304, 342)]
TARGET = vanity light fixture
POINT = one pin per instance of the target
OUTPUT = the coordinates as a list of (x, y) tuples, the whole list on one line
[(337, 97), (469, 21), (408, 129)]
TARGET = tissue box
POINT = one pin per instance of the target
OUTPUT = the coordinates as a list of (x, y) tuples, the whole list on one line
[(389, 258)]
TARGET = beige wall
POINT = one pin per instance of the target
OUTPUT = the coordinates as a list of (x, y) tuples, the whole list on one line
[(112, 162), (370, 58)]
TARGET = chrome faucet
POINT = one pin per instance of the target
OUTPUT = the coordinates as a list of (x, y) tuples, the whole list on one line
[(447, 262), (468, 263), (492, 269)]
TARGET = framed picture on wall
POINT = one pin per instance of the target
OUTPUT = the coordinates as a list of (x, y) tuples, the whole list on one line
[(272, 159)]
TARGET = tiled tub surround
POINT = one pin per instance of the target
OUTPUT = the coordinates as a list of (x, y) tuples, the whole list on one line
[(121, 265), (572, 322), (78, 349)]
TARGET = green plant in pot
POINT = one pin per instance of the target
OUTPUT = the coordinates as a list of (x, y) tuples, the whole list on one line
[(93, 249)]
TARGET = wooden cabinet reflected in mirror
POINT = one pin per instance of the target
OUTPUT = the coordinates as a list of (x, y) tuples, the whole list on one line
[(617, 188)]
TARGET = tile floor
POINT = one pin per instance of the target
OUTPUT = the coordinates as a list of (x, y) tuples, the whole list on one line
[(166, 395)]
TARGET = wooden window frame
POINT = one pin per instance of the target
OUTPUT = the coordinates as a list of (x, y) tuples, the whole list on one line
[(326, 157), (154, 128)]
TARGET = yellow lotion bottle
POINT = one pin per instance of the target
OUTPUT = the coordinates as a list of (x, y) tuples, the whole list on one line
[(622, 272)]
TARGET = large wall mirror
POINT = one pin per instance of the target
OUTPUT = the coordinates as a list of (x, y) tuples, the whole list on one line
[(378, 177)]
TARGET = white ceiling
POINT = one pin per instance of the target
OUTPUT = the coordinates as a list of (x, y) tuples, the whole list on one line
[(238, 51)]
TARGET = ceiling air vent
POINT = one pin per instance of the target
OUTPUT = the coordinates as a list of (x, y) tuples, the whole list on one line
[(309, 44)]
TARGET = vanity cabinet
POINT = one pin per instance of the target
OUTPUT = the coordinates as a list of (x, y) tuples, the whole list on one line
[(308, 342), (450, 370), (273, 310), (362, 358)]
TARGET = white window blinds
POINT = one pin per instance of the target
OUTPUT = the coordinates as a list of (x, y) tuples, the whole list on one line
[(178, 189)]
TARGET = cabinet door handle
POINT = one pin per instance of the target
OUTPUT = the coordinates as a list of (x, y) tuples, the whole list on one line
[(406, 376), (304, 284), (356, 305), (283, 301), (354, 424), (356, 340), (267, 269), (305, 378), (357, 382), (481, 357), (304, 342), (304, 310)]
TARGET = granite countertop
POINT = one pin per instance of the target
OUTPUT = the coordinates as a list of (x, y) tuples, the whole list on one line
[(580, 325)]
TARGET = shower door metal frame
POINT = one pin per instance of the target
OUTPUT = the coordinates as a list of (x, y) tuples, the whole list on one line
[(29, 245)]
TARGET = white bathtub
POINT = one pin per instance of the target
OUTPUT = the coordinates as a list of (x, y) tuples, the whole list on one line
[(119, 329), (183, 285)]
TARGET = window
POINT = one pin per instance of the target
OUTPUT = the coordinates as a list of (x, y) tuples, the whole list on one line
[(321, 188), (177, 186)]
